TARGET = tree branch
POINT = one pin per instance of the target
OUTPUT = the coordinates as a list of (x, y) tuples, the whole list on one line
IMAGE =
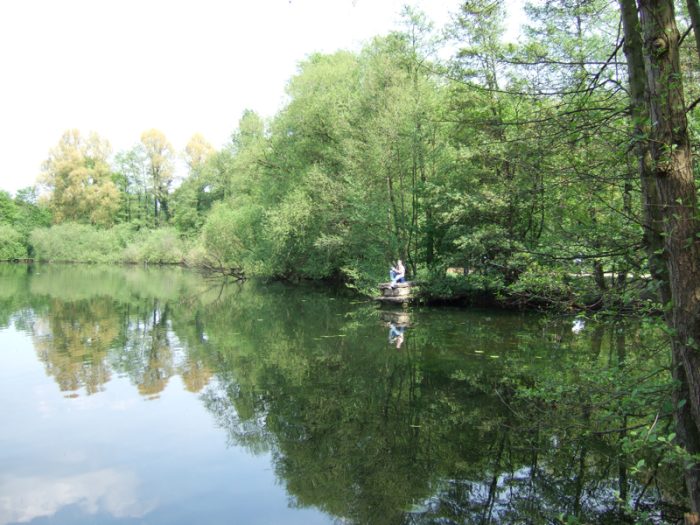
[(685, 34), (692, 106)]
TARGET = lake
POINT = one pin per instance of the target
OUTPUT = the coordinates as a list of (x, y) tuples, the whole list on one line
[(159, 395)]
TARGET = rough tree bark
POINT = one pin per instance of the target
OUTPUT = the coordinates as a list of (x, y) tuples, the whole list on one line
[(668, 196)]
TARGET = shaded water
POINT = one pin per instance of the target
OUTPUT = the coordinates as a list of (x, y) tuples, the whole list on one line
[(134, 395)]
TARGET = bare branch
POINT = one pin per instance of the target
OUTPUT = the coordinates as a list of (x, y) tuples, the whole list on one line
[(692, 106)]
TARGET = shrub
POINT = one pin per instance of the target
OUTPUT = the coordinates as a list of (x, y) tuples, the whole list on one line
[(437, 284), (162, 246), (229, 238), (77, 242), (11, 244), (70, 242), (539, 285)]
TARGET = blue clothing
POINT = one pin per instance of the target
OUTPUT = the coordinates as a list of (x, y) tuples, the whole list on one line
[(394, 332), (392, 275)]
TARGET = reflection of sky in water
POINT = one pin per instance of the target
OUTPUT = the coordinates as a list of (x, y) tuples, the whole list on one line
[(102, 491), (113, 456)]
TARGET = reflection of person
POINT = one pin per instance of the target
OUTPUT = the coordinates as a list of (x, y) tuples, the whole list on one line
[(397, 273), (396, 335)]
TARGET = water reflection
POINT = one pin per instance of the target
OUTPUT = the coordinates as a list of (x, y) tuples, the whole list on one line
[(73, 340), (398, 322), (437, 432), (105, 491), (85, 339)]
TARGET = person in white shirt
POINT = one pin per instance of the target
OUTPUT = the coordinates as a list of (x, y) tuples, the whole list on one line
[(397, 273)]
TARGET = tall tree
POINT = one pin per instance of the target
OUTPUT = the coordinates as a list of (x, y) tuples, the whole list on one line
[(669, 193), (694, 12), (190, 197), (160, 157), (130, 165), (8, 209), (246, 156), (515, 195), (569, 52), (78, 178), (197, 152), (398, 147)]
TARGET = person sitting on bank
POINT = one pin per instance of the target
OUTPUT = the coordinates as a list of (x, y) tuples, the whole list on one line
[(397, 273)]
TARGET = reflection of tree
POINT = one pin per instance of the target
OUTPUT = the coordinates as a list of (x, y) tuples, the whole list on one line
[(148, 347), (440, 433), (73, 341), (152, 353), (15, 302), (355, 433), (88, 322), (195, 375)]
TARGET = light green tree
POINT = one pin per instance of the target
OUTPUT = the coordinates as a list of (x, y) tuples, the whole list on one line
[(189, 200), (78, 178), (159, 156), (130, 168)]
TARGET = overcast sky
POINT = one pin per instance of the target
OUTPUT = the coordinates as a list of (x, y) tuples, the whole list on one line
[(119, 67)]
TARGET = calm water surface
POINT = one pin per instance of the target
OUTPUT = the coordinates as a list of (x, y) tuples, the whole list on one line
[(132, 395)]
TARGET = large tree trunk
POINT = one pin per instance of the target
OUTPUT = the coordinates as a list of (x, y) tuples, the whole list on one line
[(661, 186), (672, 170), (673, 173)]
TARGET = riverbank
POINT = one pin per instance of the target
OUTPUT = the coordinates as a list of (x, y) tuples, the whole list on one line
[(552, 291), (565, 287), (556, 292)]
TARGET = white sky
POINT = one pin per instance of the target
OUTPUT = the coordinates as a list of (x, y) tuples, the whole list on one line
[(120, 67)]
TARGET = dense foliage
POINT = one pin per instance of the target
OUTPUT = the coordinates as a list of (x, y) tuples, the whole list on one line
[(18, 217)]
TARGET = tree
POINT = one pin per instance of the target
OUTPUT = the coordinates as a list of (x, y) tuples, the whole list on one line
[(159, 155), (487, 215), (78, 178), (8, 209), (228, 235), (694, 12), (189, 198), (30, 214), (301, 187), (398, 154), (130, 166), (669, 193), (12, 245), (239, 167), (197, 153)]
